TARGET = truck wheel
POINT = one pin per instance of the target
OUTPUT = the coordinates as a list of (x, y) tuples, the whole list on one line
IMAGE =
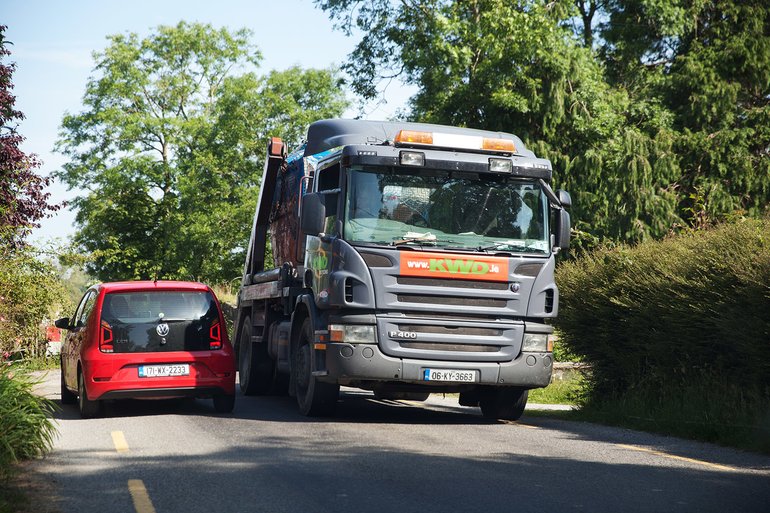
[(255, 368), (67, 397), (88, 408), (315, 398), (505, 403)]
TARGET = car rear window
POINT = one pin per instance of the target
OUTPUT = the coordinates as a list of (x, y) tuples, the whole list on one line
[(158, 321)]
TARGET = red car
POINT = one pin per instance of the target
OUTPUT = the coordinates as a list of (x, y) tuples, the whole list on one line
[(146, 339)]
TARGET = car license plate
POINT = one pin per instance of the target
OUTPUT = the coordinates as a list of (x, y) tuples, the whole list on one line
[(462, 376), (159, 371)]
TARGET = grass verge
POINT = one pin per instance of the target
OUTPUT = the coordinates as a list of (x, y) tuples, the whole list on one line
[(26, 426), (713, 411), (708, 410), (560, 391)]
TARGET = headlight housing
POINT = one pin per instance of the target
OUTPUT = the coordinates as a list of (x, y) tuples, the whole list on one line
[(352, 333), (537, 343)]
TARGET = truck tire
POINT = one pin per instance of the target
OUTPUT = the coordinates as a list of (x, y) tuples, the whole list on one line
[(67, 397), (504, 403), (88, 408), (255, 367), (315, 398)]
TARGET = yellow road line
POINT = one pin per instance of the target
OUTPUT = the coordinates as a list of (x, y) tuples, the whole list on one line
[(120, 441), (142, 502), (680, 458)]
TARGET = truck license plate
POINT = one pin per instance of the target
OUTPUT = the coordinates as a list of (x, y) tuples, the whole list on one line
[(159, 371), (463, 376)]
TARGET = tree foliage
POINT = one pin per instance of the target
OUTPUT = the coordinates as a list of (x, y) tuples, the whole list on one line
[(23, 200), (169, 148), (647, 108)]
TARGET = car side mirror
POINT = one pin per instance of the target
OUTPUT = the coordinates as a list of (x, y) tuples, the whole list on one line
[(563, 225), (313, 213), (63, 323), (564, 198)]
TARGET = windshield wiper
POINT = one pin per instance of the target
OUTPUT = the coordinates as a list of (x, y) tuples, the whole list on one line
[(498, 246)]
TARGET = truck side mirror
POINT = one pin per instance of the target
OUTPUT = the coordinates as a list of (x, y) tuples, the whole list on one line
[(563, 225), (313, 213), (63, 323), (564, 198)]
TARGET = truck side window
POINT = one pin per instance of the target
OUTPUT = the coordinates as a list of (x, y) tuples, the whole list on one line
[(329, 180)]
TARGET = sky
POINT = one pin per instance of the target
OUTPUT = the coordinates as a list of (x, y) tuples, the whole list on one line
[(52, 43)]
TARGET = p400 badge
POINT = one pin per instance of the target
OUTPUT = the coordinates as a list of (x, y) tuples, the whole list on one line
[(402, 334)]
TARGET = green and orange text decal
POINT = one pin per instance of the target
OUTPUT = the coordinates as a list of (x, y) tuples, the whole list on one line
[(438, 265)]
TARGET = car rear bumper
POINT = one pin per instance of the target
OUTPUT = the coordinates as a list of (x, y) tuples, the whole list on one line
[(163, 393), (117, 376)]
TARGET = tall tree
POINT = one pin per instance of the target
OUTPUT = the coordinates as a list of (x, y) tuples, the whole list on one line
[(708, 64), (23, 200), (169, 149), (654, 113), (517, 66)]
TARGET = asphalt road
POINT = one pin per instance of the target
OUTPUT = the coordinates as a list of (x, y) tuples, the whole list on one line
[(380, 456)]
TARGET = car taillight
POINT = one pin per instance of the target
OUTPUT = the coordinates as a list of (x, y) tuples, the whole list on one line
[(215, 336), (105, 341)]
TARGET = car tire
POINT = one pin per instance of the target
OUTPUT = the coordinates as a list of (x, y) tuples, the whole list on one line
[(224, 403), (315, 398), (67, 397), (504, 403), (88, 408)]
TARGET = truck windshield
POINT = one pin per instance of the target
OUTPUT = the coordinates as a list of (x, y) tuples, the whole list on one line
[(476, 211)]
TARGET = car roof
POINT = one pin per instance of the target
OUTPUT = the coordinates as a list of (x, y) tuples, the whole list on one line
[(145, 286)]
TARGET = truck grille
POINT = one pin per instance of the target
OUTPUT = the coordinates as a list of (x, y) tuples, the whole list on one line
[(463, 348), (449, 300), (462, 284), (451, 330)]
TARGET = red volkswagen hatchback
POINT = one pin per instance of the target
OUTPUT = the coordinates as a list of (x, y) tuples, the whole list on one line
[(146, 339)]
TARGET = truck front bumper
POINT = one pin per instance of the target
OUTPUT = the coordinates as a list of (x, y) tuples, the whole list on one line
[(365, 362)]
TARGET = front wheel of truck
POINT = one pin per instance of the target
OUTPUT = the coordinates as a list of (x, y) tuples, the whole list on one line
[(315, 398), (504, 403)]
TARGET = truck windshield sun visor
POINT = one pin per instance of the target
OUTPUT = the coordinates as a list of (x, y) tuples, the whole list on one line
[(470, 211), (161, 321)]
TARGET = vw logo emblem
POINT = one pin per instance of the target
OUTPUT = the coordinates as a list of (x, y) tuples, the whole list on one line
[(162, 329)]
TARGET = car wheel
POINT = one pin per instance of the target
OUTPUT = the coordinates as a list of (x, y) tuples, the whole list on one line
[(224, 403), (88, 408), (67, 397), (505, 403), (314, 397)]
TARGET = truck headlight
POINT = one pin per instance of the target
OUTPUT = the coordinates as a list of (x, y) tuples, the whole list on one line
[(352, 334), (537, 343)]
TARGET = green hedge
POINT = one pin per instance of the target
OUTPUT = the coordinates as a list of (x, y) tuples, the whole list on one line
[(26, 425), (672, 315)]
